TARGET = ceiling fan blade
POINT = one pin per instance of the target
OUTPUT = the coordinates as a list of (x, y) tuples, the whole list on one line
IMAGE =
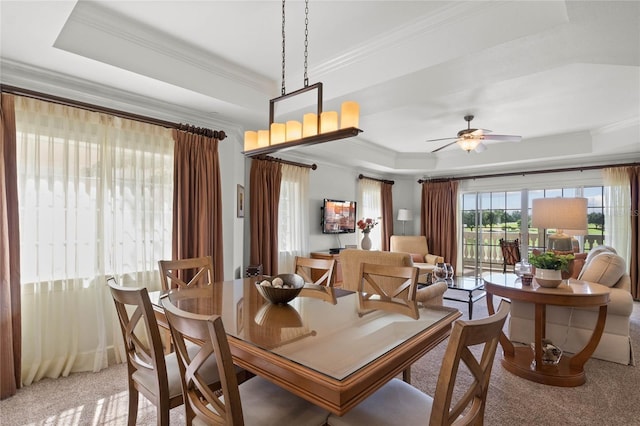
[(509, 138), (441, 139), (480, 132), (444, 146), (481, 147)]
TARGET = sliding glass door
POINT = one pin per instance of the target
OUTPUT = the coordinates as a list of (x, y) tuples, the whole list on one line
[(489, 216)]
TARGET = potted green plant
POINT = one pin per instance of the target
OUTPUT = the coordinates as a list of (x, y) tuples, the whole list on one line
[(549, 267)]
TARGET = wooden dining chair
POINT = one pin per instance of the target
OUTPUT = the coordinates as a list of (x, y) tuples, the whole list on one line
[(389, 288), (307, 267), (400, 403), (510, 253), (266, 403), (186, 273), (149, 371)]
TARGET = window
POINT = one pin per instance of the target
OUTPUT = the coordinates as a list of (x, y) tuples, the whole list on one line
[(293, 216), (95, 197), (370, 206), (489, 216)]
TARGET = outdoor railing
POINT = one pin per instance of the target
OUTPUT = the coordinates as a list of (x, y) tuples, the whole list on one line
[(489, 252)]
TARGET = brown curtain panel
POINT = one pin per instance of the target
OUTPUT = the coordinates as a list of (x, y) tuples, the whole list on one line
[(634, 267), (10, 317), (197, 200), (438, 218), (386, 195), (264, 196)]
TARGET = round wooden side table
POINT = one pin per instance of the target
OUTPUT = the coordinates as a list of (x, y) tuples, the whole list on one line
[(527, 363)]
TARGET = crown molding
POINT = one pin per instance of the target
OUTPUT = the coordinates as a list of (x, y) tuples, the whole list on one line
[(100, 20), (446, 15), (618, 126), (58, 84)]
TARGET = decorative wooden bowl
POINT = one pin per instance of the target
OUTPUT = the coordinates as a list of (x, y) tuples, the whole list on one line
[(292, 285)]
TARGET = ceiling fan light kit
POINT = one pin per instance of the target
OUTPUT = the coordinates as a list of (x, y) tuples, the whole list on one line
[(318, 127), (471, 139)]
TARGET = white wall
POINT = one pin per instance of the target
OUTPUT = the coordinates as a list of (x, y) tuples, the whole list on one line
[(329, 181), (232, 173)]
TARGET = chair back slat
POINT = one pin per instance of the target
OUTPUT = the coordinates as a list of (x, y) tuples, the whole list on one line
[(305, 266), (390, 288), (389, 281), (186, 273)]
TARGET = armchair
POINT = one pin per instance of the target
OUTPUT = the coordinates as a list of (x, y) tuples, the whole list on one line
[(416, 246)]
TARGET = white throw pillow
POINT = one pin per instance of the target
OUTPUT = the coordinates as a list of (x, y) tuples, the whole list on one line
[(605, 268), (597, 250)]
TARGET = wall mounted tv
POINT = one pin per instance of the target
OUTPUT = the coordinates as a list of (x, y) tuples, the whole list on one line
[(338, 216)]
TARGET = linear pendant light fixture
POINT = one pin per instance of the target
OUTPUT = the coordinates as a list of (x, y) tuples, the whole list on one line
[(316, 127)]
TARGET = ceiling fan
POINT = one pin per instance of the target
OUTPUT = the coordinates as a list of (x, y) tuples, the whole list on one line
[(471, 139)]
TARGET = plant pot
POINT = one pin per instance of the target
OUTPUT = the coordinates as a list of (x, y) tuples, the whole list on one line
[(548, 277)]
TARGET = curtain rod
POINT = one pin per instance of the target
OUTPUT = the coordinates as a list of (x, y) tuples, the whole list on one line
[(532, 172), (218, 134), (390, 182), (313, 166)]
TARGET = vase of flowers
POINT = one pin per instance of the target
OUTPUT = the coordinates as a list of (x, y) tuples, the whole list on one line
[(366, 225), (549, 267)]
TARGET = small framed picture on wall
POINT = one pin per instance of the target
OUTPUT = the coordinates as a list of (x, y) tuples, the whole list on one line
[(240, 201)]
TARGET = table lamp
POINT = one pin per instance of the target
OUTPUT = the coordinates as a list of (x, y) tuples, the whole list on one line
[(403, 216), (560, 214)]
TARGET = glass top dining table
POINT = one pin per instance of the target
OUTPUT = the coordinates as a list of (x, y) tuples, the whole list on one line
[(323, 345)]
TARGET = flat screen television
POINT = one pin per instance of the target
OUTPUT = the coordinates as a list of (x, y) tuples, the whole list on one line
[(338, 216)]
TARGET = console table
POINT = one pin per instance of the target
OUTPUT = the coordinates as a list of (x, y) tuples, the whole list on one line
[(521, 360)]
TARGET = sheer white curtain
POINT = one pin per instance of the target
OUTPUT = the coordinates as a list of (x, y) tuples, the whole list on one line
[(293, 216), (370, 206), (617, 208), (95, 195)]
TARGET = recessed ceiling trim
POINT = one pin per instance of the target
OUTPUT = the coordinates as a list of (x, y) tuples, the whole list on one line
[(95, 21), (53, 83), (447, 15), (450, 15)]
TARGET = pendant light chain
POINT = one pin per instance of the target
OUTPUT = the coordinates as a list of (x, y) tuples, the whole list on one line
[(306, 41), (283, 90), (315, 127)]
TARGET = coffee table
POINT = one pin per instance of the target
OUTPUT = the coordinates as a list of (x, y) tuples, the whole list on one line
[(474, 287), (527, 363)]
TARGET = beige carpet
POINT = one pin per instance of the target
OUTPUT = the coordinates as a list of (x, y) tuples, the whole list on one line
[(611, 395)]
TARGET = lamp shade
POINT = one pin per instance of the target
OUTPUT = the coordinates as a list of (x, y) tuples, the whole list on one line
[(309, 125), (404, 214), (349, 114), (328, 121), (294, 130), (559, 213), (277, 133)]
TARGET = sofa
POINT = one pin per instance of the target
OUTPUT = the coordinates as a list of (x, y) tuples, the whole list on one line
[(416, 246), (571, 328), (351, 259)]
